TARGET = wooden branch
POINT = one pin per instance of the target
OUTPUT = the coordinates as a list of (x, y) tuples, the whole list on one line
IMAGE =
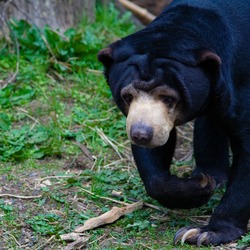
[(138, 11), (109, 217)]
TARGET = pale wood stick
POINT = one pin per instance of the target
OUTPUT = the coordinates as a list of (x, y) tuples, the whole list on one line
[(137, 10)]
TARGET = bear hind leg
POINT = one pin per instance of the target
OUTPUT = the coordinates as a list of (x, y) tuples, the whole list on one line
[(211, 150)]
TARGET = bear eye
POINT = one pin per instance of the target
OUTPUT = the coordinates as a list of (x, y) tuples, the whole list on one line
[(169, 100), (127, 98)]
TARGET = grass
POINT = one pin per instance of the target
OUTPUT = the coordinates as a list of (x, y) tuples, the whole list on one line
[(63, 147)]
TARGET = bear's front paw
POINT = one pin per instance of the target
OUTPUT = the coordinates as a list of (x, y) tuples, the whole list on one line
[(206, 236), (199, 189), (205, 182), (196, 191), (174, 192)]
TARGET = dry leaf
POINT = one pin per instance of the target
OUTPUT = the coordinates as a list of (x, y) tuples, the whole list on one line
[(109, 217)]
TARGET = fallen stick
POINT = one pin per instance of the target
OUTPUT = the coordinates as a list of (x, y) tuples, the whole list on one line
[(70, 237), (20, 196), (109, 217), (103, 197), (78, 244), (137, 10), (118, 195), (85, 151)]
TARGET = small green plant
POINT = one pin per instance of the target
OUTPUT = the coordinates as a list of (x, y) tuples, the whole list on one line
[(245, 241), (15, 95), (45, 224), (6, 208), (72, 49)]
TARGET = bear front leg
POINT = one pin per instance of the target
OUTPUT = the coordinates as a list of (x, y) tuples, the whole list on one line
[(153, 165), (229, 220)]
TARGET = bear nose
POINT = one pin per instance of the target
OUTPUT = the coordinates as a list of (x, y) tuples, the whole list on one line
[(141, 134)]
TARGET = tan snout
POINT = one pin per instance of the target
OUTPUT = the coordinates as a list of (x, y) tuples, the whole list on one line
[(148, 121)]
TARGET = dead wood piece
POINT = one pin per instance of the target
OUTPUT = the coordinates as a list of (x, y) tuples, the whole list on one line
[(109, 217), (138, 11), (78, 244), (70, 237), (85, 150)]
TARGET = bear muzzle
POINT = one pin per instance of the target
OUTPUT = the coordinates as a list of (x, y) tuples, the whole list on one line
[(141, 134), (148, 121)]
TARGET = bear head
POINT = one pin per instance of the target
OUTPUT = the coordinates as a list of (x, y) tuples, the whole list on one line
[(158, 85)]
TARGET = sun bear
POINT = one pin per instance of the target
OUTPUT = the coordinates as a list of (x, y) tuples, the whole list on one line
[(191, 62)]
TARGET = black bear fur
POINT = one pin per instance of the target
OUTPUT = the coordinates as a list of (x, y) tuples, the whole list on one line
[(201, 49)]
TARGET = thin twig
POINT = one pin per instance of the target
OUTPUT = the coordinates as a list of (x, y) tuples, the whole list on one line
[(103, 197), (181, 134), (27, 114), (14, 238), (98, 239), (108, 141), (85, 150), (112, 163), (59, 34), (94, 71), (145, 247), (116, 194), (46, 243), (188, 156), (121, 202), (54, 177), (42, 36), (13, 76), (20, 196)]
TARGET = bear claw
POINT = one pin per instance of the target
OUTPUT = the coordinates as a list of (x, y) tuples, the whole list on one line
[(202, 238), (191, 234), (207, 180), (179, 235), (205, 236)]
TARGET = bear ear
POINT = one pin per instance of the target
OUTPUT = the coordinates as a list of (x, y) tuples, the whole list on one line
[(209, 60), (105, 56)]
